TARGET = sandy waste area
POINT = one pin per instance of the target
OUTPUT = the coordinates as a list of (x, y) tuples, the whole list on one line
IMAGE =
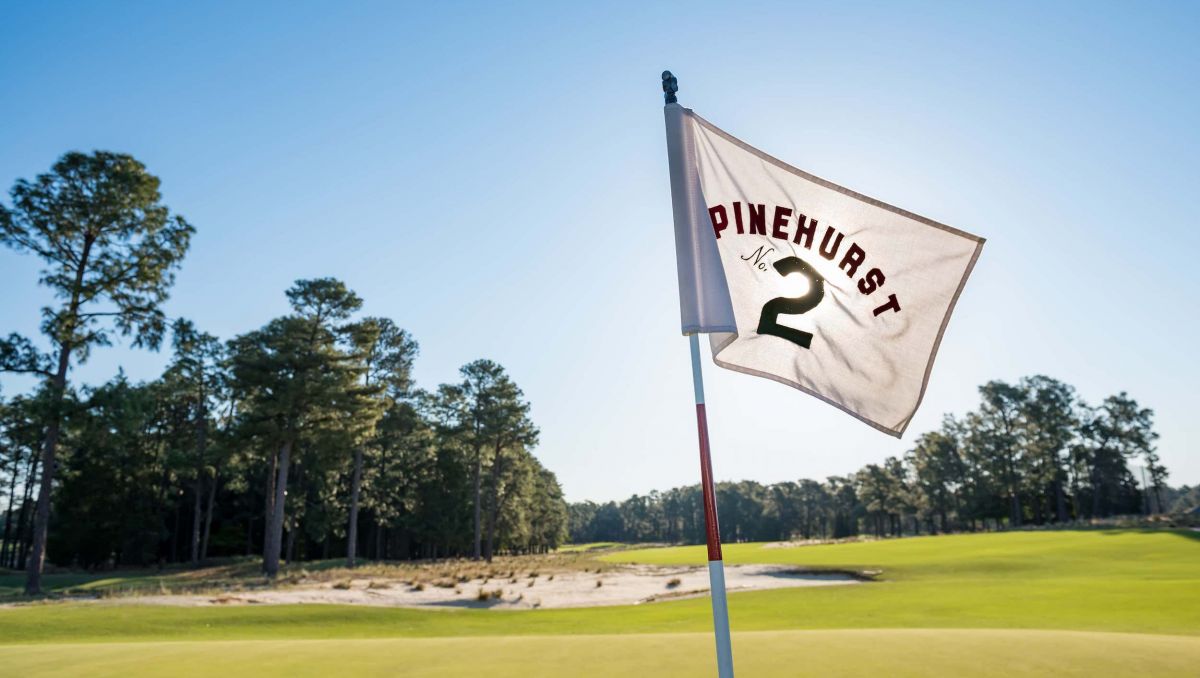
[(625, 586)]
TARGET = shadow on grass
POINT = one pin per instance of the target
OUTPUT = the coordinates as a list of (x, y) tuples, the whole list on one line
[(1192, 533)]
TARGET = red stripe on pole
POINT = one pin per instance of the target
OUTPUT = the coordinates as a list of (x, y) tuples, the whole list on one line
[(711, 528)]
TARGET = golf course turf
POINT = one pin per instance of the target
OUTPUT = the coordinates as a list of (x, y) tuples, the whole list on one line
[(1019, 603)]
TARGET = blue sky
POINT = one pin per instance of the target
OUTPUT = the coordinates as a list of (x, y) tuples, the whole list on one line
[(493, 177)]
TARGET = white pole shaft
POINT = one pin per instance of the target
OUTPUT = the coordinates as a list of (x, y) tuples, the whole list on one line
[(716, 566)]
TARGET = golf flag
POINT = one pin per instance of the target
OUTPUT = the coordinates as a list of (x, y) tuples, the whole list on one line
[(805, 282)]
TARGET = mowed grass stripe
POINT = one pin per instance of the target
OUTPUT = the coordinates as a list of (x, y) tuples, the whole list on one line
[(900, 653)]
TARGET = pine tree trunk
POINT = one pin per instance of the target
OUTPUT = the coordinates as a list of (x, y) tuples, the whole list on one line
[(494, 507), (352, 528), (274, 536), (201, 451), (290, 551), (1060, 500), (208, 513), (12, 495), (1014, 508), (41, 514), (23, 517), (175, 537), (269, 499), (197, 516), (478, 509)]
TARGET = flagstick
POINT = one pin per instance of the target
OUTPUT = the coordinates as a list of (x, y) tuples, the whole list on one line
[(716, 567), (681, 197)]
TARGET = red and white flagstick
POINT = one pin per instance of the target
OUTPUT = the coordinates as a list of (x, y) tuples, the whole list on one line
[(716, 566), (683, 199)]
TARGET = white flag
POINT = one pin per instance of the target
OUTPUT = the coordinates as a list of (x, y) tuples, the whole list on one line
[(805, 282)]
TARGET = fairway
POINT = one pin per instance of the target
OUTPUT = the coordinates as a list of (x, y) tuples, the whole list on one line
[(1112, 580), (772, 653), (1020, 603)]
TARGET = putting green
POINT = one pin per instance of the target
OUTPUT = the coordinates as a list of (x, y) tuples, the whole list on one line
[(931, 652)]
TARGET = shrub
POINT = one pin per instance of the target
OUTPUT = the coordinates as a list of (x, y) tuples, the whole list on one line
[(342, 585)]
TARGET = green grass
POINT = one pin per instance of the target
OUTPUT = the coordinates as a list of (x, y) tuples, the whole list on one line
[(134, 582), (1145, 583), (1135, 581), (898, 653), (590, 547)]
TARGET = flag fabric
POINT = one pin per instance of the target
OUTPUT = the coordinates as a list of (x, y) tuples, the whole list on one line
[(805, 282)]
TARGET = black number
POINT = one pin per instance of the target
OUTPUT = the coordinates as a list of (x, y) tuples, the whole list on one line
[(767, 322)]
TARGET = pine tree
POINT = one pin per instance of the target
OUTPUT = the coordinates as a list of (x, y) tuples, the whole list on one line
[(296, 378), (111, 249)]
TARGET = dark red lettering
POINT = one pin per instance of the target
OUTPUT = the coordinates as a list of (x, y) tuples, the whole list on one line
[(826, 251), (780, 223), (805, 232), (720, 220), (872, 281), (892, 304), (758, 219), (854, 258)]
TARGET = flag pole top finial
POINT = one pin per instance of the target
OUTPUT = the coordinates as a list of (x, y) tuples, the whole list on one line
[(670, 87)]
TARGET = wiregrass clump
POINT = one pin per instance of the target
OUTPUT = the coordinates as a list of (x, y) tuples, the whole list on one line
[(483, 595)]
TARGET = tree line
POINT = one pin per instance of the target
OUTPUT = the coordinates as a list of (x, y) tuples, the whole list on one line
[(1032, 453), (305, 438)]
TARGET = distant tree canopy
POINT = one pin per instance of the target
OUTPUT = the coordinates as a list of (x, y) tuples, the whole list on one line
[(285, 441), (1032, 453), (305, 438)]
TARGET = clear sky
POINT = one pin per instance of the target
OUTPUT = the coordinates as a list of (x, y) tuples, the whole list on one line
[(493, 176)]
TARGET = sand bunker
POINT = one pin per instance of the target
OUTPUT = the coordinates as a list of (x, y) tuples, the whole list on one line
[(625, 586)]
